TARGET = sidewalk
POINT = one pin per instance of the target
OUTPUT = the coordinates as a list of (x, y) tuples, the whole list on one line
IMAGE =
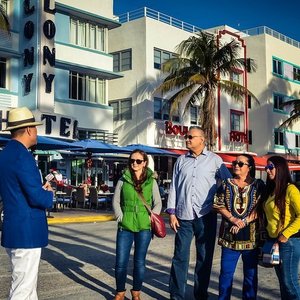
[(77, 215)]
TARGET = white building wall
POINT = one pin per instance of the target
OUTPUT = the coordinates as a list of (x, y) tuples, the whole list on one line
[(90, 116), (101, 7), (91, 62), (142, 36), (263, 83), (84, 57)]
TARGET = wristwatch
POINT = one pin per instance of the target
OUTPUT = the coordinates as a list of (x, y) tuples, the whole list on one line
[(170, 211)]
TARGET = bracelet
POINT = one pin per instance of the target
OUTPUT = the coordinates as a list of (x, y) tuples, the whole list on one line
[(245, 221)]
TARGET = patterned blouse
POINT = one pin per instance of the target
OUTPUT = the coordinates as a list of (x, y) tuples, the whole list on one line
[(240, 202)]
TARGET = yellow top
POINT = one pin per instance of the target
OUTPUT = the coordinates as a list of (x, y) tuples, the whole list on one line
[(292, 214)]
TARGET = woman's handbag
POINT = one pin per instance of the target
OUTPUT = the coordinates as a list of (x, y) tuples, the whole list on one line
[(269, 256), (158, 225)]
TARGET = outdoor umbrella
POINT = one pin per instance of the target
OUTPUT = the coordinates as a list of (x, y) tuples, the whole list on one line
[(3, 140), (95, 146), (149, 150), (47, 143)]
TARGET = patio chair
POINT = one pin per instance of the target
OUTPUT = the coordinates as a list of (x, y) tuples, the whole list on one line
[(66, 198), (95, 200), (80, 199)]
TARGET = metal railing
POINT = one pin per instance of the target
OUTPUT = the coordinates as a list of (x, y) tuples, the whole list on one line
[(9, 42), (153, 14), (161, 17), (274, 33)]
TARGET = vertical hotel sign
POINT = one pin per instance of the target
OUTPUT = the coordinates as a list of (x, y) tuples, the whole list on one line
[(39, 54)]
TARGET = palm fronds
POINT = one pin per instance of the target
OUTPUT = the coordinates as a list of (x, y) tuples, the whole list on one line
[(294, 114), (4, 21), (194, 76)]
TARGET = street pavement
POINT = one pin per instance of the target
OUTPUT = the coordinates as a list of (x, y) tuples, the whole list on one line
[(79, 263)]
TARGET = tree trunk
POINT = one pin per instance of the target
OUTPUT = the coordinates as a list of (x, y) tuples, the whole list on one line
[(208, 119)]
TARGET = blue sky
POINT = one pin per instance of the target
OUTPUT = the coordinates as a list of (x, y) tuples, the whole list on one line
[(282, 16)]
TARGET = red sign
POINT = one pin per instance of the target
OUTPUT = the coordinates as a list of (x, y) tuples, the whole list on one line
[(175, 129), (238, 136)]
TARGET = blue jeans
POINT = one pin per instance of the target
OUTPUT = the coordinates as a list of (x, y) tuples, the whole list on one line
[(287, 271), (125, 240), (204, 230), (229, 259)]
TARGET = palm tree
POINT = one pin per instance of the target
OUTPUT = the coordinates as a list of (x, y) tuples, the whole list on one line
[(195, 75), (4, 22), (294, 114)]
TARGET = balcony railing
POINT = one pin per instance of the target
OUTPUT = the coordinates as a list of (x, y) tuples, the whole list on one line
[(153, 14), (9, 42), (274, 33), (156, 15)]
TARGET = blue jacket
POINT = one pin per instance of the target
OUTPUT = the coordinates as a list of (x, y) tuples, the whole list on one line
[(24, 199)]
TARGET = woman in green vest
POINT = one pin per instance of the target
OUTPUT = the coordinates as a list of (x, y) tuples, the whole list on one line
[(134, 221)]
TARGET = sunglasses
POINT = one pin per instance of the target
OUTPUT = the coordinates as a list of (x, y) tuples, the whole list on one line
[(269, 167), (190, 137), (239, 163), (138, 161)]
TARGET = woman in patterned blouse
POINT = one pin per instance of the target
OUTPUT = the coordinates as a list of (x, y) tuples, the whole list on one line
[(236, 200)]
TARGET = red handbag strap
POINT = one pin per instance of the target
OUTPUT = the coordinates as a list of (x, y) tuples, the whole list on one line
[(141, 196)]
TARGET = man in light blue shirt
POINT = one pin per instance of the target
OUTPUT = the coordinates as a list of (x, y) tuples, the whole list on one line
[(194, 183)]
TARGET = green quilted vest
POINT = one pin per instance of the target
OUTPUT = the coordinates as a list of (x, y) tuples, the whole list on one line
[(135, 215)]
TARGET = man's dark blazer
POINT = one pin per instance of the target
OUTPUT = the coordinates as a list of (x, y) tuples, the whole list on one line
[(24, 199)]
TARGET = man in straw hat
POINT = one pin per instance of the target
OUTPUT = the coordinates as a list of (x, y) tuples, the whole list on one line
[(25, 199)]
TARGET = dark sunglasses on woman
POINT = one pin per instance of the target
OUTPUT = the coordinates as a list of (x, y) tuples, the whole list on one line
[(138, 161), (239, 163), (269, 167)]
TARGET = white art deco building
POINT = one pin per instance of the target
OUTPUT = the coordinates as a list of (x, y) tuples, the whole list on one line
[(148, 38), (88, 74)]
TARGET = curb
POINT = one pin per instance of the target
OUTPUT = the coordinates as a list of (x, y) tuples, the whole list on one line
[(84, 219), (80, 219)]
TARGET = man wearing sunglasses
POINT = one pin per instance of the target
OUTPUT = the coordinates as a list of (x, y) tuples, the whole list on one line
[(195, 178)]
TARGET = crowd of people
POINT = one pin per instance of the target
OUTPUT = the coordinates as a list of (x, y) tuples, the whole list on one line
[(201, 188)]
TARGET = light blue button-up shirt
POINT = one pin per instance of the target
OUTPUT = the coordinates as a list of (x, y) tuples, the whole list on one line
[(194, 184)]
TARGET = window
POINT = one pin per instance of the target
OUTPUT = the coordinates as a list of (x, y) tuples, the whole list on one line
[(297, 140), (122, 60), (235, 77), (296, 73), (115, 106), (87, 88), (194, 115), (126, 109), (86, 34), (161, 56), (162, 110), (122, 109), (157, 108), (278, 100), (250, 137), (278, 137), (249, 101), (277, 67), (2, 72), (236, 120)]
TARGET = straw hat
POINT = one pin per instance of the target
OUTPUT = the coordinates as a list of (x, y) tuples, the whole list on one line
[(19, 118)]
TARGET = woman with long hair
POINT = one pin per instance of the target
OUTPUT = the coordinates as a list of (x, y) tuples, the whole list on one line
[(282, 212), (133, 219), (236, 200)]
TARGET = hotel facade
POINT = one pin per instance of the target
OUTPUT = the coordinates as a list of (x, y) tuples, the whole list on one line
[(56, 62), (147, 38), (88, 74)]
